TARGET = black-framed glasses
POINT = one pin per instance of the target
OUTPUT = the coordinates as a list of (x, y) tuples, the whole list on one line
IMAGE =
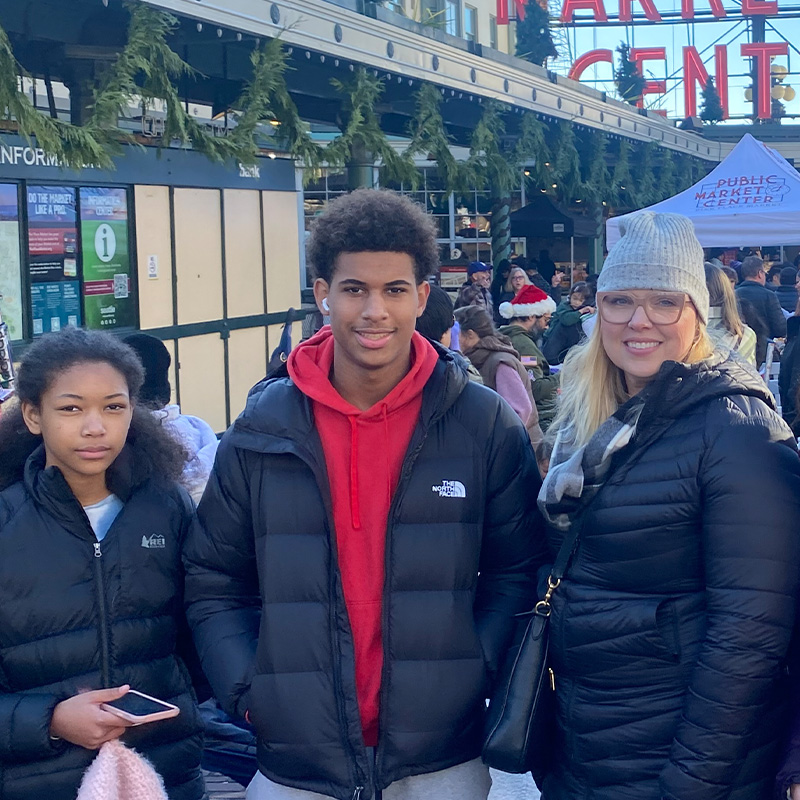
[(662, 308)]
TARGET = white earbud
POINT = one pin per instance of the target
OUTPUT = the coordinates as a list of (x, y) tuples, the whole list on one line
[(325, 306)]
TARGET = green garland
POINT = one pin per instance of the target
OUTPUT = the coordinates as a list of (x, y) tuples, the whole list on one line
[(362, 132), (646, 189), (148, 68), (622, 192), (667, 179), (429, 136), (567, 166), (596, 177)]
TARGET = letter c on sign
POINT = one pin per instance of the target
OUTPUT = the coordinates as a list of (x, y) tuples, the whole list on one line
[(587, 59)]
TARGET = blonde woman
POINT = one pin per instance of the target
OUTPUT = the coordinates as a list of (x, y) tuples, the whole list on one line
[(725, 327), (517, 280), (671, 626)]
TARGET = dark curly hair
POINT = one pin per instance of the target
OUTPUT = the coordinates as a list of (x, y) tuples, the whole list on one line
[(57, 352), (373, 220)]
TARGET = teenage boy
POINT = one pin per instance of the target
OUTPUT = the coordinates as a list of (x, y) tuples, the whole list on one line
[(368, 533)]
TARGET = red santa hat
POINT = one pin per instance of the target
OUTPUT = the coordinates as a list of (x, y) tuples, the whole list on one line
[(530, 302)]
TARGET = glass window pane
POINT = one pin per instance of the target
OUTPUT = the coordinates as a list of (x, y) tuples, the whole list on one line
[(470, 24)]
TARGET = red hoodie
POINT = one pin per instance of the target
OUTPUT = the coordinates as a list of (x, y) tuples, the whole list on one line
[(364, 452)]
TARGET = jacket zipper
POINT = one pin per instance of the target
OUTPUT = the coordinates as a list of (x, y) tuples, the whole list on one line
[(99, 581), (336, 650), (401, 485)]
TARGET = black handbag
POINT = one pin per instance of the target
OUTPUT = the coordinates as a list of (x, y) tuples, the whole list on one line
[(520, 721)]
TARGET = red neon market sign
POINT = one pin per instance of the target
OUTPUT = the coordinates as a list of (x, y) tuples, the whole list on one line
[(695, 73)]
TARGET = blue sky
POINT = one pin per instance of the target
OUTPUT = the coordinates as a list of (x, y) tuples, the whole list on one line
[(731, 31)]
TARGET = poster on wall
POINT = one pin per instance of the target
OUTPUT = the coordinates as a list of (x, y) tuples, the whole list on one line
[(107, 297), (55, 305), (10, 275), (52, 234)]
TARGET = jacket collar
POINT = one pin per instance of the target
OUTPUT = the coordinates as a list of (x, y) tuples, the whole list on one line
[(278, 417), (49, 489)]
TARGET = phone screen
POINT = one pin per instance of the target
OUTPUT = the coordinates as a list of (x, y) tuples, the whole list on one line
[(137, 705)]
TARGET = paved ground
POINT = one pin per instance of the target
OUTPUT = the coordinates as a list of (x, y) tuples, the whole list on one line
[(504, 787)]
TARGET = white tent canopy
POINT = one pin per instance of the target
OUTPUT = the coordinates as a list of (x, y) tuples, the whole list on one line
[(750, 198)]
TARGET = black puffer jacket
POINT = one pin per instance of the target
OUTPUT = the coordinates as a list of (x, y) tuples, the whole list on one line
[(671, 629), (71, 620), (265, 592)]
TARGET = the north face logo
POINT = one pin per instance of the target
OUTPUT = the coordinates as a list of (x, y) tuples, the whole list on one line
[(155, 541), (450, 489)]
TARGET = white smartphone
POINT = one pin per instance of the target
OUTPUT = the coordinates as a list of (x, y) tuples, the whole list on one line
[(140, 708)]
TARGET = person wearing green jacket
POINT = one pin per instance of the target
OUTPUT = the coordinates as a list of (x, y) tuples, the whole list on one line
[(528, 315), (565, 329)]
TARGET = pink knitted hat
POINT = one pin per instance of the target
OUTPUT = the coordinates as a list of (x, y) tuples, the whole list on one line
[(119, 773)]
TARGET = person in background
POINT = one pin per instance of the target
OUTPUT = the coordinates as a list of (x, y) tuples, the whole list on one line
[(547, 266), (517, 280), (532, 271), (786, 291), (765, 303), (197, 436), (725, 327), (731, 274), (475, 291), (367, 538), (773, 276), (670, 630), (499, 365), (565, 329), (499, 281), (528, 315), (789, 375), (92, 522), (437, 322)]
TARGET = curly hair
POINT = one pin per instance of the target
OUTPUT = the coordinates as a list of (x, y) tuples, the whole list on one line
[(57, 352), (373, 220)]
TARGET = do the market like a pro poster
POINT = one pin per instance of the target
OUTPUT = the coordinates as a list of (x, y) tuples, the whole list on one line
[(107, 297), (53, 258)]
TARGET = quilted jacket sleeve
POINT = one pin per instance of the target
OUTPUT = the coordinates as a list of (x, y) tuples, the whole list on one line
[(514, 543), (222, 597), (750, 495)]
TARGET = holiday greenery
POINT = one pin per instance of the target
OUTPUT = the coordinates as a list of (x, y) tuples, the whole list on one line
[(622, 193), (596, 177), (667, 181), (627, 77), (646, 191), (429, 136), (567, 166), (534, 42), (711, 108)]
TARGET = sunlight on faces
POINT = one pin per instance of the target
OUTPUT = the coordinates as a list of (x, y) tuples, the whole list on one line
[(83, 418), (373, 303), (662, 327)]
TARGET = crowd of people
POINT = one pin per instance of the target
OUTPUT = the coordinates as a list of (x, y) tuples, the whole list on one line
[(378, 522)]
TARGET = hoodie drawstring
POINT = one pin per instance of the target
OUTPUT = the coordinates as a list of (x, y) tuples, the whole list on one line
[(355, 509)]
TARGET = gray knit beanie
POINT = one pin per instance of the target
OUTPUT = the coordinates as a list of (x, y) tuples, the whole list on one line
[(657, 251)]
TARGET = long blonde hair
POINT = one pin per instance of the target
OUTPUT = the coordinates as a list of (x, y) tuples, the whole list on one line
[(592, 386), (508, 287), (721, 294)]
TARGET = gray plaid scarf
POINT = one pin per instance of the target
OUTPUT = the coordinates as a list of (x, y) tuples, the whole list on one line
[(576, 474)]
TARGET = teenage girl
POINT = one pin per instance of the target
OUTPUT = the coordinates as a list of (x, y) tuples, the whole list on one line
[(91, 583)]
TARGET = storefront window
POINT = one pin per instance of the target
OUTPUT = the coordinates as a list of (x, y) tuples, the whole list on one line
[(10, 267)]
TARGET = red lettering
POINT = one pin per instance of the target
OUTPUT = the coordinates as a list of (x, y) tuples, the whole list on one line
[(754, 8), (721, 63), (571, 6), (761, 52), (717, 9), (587, 59), (641, 54), (626, 10), (694, 72), (502, 11)]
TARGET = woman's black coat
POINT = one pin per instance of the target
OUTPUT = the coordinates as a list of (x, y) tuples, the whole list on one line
[(671, 629), (78, 615)]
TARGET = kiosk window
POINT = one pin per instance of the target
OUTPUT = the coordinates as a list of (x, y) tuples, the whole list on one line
[(10, 267)]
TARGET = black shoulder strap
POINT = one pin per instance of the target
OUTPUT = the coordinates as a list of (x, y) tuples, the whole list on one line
[(568, 548)]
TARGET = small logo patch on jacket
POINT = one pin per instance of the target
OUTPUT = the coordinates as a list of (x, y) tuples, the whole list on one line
[(156, 541), (450, 489)]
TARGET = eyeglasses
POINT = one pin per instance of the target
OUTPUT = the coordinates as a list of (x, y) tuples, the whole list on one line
[(662, 308)]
